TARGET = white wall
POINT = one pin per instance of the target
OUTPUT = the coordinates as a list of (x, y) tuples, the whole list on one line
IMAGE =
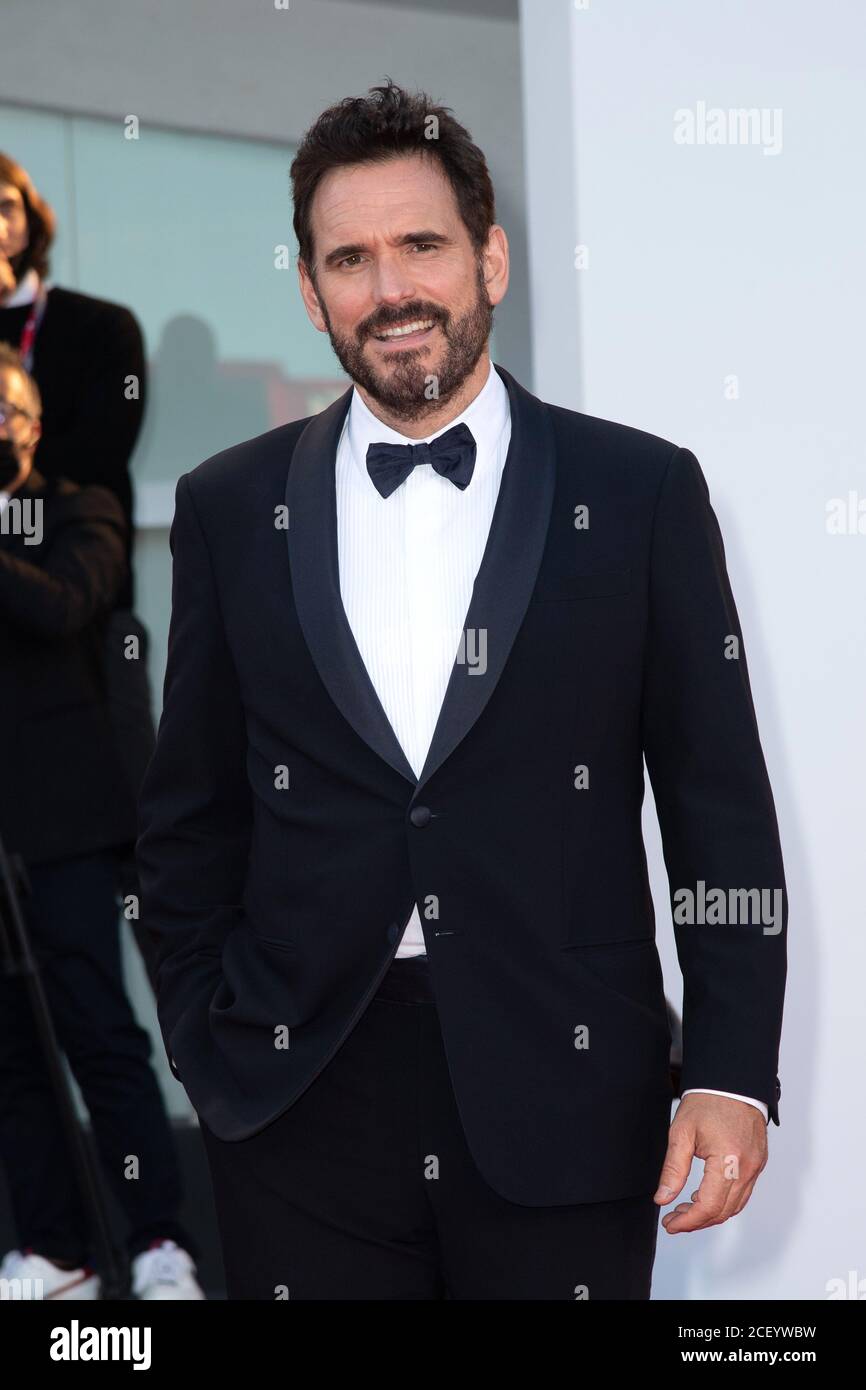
[(711, 262)]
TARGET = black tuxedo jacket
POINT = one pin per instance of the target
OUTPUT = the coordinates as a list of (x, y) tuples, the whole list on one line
[(283, 837), (62, 786)]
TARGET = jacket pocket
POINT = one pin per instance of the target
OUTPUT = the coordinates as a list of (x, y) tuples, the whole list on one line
[(621, 943), (630, 977), (283, 944), (550, 589)]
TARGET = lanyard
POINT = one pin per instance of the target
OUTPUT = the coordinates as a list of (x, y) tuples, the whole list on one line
[(31, 328)]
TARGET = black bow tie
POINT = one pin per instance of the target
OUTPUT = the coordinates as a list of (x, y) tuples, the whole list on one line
[(452, 454)]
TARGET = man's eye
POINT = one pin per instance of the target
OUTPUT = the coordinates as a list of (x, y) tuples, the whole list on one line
[(416, 246)]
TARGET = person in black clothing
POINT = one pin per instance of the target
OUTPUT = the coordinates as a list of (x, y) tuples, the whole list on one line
[(86, 356), (66, 812)]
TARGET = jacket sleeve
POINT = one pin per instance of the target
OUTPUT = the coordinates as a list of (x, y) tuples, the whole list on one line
[(195, 805), (78, 576), (714, 802)]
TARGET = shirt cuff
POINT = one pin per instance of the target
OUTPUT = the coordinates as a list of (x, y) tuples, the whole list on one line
[(750, 1100)]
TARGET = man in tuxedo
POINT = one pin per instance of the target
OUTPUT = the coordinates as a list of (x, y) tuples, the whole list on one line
[(390, 838)]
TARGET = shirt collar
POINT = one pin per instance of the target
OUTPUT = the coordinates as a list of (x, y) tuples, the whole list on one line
[(25, 290), (486, 416)]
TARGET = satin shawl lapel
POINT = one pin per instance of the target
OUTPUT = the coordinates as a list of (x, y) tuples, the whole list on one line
[(500, 595)]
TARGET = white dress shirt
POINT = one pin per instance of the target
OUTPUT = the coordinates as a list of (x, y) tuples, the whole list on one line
[(25, 291), (407, 566)]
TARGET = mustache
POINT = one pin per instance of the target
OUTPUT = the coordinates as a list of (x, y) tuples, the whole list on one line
[(370, 329)]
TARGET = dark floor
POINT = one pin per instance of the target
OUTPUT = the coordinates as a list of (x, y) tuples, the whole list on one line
[(197, 1213)]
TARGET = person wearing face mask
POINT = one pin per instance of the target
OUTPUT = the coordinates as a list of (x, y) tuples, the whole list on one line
[(87, 358), (66, 813)]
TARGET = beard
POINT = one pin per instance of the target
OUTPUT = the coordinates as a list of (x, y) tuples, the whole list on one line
[(401, 388)]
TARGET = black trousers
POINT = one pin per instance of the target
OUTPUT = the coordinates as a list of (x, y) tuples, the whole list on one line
[(365, 1188), (73, 918)]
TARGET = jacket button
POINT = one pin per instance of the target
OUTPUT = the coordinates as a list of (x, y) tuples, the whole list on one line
[(420, 815)]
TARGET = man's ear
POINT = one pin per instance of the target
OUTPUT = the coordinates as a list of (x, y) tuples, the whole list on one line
[(496, 261), (310, 297)]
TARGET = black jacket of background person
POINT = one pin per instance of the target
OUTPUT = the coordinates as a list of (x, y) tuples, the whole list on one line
[(281, 908), (85, 350), (62, 790)]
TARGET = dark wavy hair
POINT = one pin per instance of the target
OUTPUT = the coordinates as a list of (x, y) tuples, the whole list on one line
[(41, 221), (383, 125)]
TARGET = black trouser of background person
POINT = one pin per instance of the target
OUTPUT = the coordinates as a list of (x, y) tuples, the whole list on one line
[(73, 920), (365, 1188)]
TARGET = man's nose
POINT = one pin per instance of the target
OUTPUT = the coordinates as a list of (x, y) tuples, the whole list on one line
[(393, 281)]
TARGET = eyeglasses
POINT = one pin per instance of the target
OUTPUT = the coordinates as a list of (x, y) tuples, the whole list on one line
[(10, 412)]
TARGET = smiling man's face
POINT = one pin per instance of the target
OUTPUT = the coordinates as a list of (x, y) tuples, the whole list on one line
[(392, 252)]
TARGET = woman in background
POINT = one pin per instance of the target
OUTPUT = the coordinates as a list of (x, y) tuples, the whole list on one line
[(86, 356)]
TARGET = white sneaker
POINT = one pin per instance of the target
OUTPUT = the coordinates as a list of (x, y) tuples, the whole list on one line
[(24, 1275), (164, 1271)]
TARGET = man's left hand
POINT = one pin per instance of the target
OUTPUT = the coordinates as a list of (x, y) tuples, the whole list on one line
[(731, 1137)]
